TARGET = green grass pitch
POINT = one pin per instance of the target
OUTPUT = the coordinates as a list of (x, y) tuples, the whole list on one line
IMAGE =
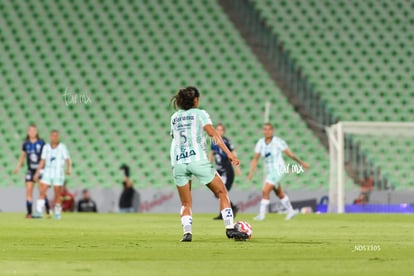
[(147, 244)]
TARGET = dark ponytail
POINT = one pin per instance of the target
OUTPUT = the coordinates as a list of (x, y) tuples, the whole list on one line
[(185, 98)]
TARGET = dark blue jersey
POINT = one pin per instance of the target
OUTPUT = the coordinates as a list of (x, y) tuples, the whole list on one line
[(33, 152), (222, 161)]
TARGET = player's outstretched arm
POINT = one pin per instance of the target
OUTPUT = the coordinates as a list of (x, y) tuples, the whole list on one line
[(219, 141), (68, 166), (20, 163), (39, 168), (236, 168), (253, 165), (296, 159)]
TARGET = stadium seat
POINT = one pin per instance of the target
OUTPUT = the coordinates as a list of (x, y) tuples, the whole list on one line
[(357, 55), (131, 58)]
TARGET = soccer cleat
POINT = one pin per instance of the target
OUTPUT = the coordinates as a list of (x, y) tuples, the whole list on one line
[(233, 233), (219, 217), (57, 216), (259, 217), (188, 237), (28, 216), (37, 216), (291, 214)]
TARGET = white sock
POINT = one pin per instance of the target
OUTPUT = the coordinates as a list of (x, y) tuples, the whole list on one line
[(264, 204), (227, 214), (286, 203), (40, 205), (187, 222), (58, 209)]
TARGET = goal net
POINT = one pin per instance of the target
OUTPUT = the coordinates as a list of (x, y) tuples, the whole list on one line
[(336, 136)]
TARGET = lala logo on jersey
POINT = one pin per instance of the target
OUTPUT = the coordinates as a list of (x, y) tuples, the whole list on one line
[(185, 154), (267, 154), (52, 158)]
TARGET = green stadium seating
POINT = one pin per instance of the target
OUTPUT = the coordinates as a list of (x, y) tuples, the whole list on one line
[(358, 56), (131, 57)]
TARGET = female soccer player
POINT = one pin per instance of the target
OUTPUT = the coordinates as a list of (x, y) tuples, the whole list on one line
[(189, 157), (223, 164), (271, 148), (54, 157), (31, 150)]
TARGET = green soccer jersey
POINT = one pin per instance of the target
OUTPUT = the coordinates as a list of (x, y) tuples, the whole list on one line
[(189, 140), (55, 160)]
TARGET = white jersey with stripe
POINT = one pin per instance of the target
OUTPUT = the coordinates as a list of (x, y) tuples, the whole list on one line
[(55, 159), (189, 139), (272, 153)]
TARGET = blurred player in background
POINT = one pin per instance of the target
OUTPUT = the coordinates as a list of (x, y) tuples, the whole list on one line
[(224, 166), (67, 199), (367, 184), (54, 157), (189, 157), (31, 150), (271, 148), (87, 204), (129, 198)]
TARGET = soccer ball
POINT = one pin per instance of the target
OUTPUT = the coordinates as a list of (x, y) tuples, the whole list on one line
[(244, 227)]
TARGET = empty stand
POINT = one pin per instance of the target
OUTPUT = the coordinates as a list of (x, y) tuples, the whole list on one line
[(357, 57), (130, 57)]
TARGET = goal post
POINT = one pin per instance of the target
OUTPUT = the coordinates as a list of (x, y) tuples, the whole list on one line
[(336, 134)]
